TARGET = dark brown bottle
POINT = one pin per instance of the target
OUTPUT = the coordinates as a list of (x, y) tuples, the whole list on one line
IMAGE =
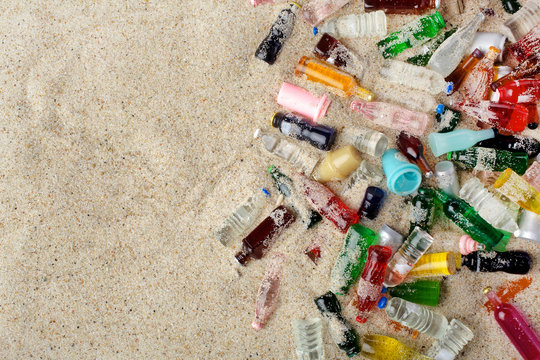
[(512, 262), (512, 143), (414, 150), (334, 52), (263, 236), (401, 6)]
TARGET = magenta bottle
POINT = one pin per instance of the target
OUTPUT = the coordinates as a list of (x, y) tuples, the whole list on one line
[(516, 327)]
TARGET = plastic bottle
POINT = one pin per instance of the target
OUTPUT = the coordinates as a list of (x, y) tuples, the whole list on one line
[(336, 53), (422, 211), (303, 102), (484, 40), (390, 238), (370, 283), (366, 171), (509, 117), (490, 159), (488, 206), (267, 298), (402, 177), (467, 245), (401, 6), (320, 136), (340, 82), (338, 164), (436, 264), (512, 143), (511, 6), (461, 139), (280, 31), (379, 347), (414, 33), (457, 335), (308, 335), (372, 203), (423, 292), (515, 326), (367, 141), (522, 91), (447, 57), (318, 10), (511, 262), (532, 175), (406, 257), (255, 245), (528, 68), (415, 100), (392, 116), (459, 74), (518, 190), (446, 119), (415, 77), (355, 25), (527, 45), (341, 331), (488, 178), (414, 150), (447, 177), (417, 317), (326, 203), (352, 258), (428, 48), (524, 20), (475, 87), (529, 226), (453, 8)]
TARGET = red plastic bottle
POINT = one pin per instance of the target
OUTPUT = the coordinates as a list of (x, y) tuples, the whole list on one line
[(524, 91), (509, 117), (527, 45), (370, 284), (401, 6), (526, 69)]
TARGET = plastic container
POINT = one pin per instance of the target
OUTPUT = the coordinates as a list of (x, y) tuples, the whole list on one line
[(303, 102), (403, 178)]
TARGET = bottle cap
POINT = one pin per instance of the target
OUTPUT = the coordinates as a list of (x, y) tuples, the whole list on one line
[(477, 54), (449, 88), (364, 94), (266, 192), (440, 108), (382, 302), (487, 289), (495, 96), (272, 167), (403, 178), (529, 226), (298, 5), (315, 30), (384, 290), (242, 258)]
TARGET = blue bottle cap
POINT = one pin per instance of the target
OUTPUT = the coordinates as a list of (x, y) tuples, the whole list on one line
[(382, 302), (315, 30), (449, 87), (266, 192), (384, 290), (440, 108)]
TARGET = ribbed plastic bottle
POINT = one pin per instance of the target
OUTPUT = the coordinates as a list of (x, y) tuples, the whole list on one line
[(318, 10), (415, 77), (355, 25), (514, 187), (417, 317), (488, 206), (457, 335), (366, 171), (367, 141), (524, 20), (476, 85), (308, 335), (336, 53)]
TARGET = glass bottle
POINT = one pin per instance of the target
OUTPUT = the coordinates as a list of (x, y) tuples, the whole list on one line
[(423, 292), (511, 262), (514, 187), (401, 7), (414, 33), (380, 347), (527, 45), (318, 10), (338, 164), (414, 150), (422, 211), (406, 257), (447, 177), (302, 160), (343, 84), (436, 264), (528, 68), (446, 119), (533, 116), (417, 317), (390, 238), (467, 245), (334, 52), (447, 57), (490, 159), (428, 48), (488, 206), (341, 331), (415, 77), (352, 258), (415, 99), (280, 31), (372, 203), (524, 20), (355, 25), (509, 117), (455, 338), (309, 342), (475, 87), (255, 245), (522, 91), (511, 6), (459, 74), (267, 298), (370, 283), (516, 327), (367, 141), (512, 143), (532, 175), (320, 136), (392, 116), (461, 139)]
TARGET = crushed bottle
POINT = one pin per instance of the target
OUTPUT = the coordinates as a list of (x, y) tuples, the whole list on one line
[(309, 342), (514, 187), (527, 45), (415, 77), (267, 298), (429, 48), (414, 150), (355, 25), (511, 262), (320, 136), (417, 317)]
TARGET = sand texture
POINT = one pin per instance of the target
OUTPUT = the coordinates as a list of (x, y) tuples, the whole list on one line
[(125, 139)]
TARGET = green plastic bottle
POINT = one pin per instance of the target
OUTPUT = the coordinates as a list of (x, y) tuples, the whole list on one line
[(410, 35), (480, 158), (429, 48), (352, 258), (422, 210), (423, 292)]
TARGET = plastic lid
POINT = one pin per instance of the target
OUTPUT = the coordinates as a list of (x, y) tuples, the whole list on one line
[(266, 192), (449, 87), (440, 107), (477, 53), (315, 30), (382, 302), (495, 96), (384, 290), (299, 6)]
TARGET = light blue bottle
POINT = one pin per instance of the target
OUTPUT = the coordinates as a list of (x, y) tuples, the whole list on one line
[(461, 139), (403, 178)]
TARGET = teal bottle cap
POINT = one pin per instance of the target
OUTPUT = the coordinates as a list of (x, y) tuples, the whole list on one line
[(403, 178)]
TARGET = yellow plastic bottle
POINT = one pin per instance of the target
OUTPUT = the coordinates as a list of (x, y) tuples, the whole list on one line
[(518, 190), (437, 264), (338, 164), (379, 347), (342, 83)]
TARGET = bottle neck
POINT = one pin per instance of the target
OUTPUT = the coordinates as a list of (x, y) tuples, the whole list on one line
[(492, 297)]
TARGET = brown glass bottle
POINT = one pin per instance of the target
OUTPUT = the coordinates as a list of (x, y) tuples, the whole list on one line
[(414, 150), (401, 6), (334, 52), (261, 238), (460, 73)]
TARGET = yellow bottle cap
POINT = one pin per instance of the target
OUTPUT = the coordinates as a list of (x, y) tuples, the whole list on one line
[(487, 289), (364, 94), (299, 6), (272, 119)]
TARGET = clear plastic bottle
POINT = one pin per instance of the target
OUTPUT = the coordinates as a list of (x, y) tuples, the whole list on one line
[(356, 25), (391, 238), (318, 10), (308, 335), (524, 20), (415, 77), (457, 335), (447, 57), (488, 206), (417, 317), (426, 50), (367, 141), (366, 171), (267, 298), (415, 99), (476, 85), (447, 177), (518, 190)]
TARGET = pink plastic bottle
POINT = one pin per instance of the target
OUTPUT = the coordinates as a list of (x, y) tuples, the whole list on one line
[(532, 175), (302, 101), (475, 87), (467, 245), (267, 297), (515, 326), (318, 10), (392, 116), (527, 45)]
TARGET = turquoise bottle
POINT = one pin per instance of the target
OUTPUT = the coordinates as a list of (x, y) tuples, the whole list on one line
[(461, 139)]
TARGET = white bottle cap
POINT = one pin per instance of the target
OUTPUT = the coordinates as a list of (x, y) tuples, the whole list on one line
[(495, 96)]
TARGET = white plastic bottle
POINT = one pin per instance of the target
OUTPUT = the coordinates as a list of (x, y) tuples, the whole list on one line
[(414, 77), (454, 340), (415, 100), (308, 335), (371, 24)]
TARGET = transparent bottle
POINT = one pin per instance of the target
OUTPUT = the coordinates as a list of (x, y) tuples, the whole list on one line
[(527, 45), (447, 57), (390, 238), (415, 99), (267, 298), (415, 77), (457, 335), (318, 10), (437, 264), (490, 159), (417, 317), (367, 141), (488, 206), (380, 347), (366, 171), (429, 48), (308, 335), (509, 117), (524, 20), (355, 25), (475, 87), (518, 190), (447, 177), (406, 257), (532, 175)]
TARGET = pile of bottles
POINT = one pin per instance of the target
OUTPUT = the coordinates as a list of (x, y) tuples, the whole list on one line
[(387, 269)]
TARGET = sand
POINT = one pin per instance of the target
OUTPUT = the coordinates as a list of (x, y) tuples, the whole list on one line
[(126, 137)]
